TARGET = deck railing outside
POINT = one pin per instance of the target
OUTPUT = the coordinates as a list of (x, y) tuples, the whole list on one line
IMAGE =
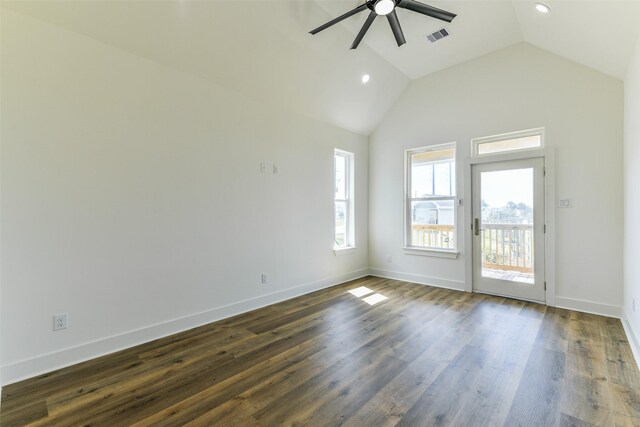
[(433, 236), (507, 247), (504, 246)]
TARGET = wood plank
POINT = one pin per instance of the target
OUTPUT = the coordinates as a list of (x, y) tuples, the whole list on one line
[(620, 366), (569, 421), (442, 401), (537, 399), (26, 414), (192, 407), (508, 339), (587, 398)]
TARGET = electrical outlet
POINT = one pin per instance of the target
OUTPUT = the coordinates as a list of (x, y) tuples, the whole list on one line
[(60, 321), (265, 279), (275, 169), (633, 305), (389, 259)]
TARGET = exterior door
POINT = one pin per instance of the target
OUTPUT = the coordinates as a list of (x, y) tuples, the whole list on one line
[(508, 229)]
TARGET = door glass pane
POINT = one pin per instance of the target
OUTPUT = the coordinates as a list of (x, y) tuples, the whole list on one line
[(432, 224), (341, 224), (507, 225)]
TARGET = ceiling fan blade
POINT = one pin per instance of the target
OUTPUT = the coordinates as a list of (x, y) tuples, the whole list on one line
[(364, 29), (339, 18), (396, 28), (425, 9)]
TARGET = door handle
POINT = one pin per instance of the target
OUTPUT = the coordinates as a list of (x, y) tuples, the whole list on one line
[(476, 226)]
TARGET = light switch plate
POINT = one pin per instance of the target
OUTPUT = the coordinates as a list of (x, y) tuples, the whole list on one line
[(564, 203)]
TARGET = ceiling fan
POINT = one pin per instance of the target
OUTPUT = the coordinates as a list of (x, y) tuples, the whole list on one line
[(388, 8)]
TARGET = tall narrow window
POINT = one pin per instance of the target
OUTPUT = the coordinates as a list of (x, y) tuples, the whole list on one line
[(430, 198), (343, 167)]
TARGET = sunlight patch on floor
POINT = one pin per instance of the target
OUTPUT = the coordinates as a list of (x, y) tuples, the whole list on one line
[(361, 291), (374, 299)]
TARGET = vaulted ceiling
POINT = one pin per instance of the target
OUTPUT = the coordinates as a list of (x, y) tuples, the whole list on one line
[(600, 34), (262, 49)]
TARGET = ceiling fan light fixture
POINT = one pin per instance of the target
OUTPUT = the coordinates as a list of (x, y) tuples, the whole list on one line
[(387, 8), (542, 8), (384, 7)]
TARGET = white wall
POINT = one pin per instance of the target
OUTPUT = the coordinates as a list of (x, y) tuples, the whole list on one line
[(132, 196), (632, 194), (518, 88)]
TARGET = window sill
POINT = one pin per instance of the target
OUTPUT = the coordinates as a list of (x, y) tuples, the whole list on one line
[(344, 251), (431, 252)]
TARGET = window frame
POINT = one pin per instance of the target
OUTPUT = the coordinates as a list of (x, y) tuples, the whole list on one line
[(476, 142), (349, 242), (408, 199)]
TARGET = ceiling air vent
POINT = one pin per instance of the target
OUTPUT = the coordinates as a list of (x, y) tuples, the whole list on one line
[(440, 34)]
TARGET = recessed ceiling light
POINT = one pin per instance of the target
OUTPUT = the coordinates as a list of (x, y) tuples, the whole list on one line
[(542, 8), (365, 78)]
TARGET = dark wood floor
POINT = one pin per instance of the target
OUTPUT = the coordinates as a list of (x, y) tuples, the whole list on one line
[(425, 356)]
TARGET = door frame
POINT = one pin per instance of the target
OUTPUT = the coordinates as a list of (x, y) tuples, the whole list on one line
[(548, 155), (534, 291)]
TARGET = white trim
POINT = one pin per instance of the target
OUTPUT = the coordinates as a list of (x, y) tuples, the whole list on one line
[(534, 291), (418, 278), (467, 232), (349, 173), (406, 222), (550, 220), (48, 362), (632, 337), (431, 252), (514, 155), (549, 156), (344, 250), (591, 307)]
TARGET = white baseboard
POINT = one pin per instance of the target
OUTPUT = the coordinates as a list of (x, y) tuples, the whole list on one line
[(589, 307), (418, 278), (38, 365), (561, 302), (633, 336)]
